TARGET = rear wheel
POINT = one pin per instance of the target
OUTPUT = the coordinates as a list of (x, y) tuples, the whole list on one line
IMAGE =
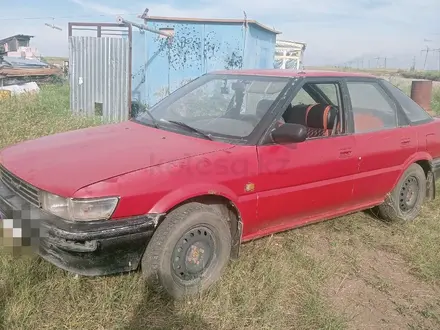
[(405, 201), (189, 250)]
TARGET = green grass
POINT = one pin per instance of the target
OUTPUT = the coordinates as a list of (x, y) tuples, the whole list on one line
[(405, 85), (55, 60), (29, 117), (351, 272), (430, 75), (436, 100)]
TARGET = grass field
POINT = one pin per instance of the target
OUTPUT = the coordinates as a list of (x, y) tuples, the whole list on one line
[(354, 272), (431, 75), (55, 60), (376, 71), (405, 85)]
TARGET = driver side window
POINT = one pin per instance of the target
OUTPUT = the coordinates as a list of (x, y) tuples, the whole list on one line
[(317, 106)]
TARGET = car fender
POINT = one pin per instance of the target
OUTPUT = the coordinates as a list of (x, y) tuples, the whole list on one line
[(186, 192), (416, 157)]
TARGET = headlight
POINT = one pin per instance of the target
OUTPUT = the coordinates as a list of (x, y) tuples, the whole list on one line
[(79, 209)]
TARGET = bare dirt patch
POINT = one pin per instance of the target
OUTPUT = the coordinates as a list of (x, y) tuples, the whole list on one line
[(374, 286), (383, 295)]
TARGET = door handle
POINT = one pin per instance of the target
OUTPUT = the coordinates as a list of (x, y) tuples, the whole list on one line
[(345, 152), (405, 141)]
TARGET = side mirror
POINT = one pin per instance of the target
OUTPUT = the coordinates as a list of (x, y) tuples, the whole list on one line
[(289, 133)]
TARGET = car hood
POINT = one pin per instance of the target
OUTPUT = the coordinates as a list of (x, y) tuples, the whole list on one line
[(65, 162)]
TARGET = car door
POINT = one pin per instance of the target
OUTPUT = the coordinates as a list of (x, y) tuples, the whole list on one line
[(301, 182), (383, 140)]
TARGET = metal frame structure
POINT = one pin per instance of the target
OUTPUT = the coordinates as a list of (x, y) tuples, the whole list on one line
[(98, 27), (121, 28), (142, 27), (287, 51), (109, 29)]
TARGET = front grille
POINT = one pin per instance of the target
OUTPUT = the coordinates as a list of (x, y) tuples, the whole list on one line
[(20, 187)]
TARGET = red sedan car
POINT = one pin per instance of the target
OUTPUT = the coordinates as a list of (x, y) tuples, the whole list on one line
[(230, 157)]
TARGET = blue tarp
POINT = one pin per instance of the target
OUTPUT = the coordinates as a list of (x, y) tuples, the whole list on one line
[(17, 62)]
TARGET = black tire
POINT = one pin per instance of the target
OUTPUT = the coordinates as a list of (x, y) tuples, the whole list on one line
[(202, 226), (405, 201)]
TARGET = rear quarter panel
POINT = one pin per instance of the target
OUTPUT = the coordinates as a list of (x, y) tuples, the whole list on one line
[(430, 135)]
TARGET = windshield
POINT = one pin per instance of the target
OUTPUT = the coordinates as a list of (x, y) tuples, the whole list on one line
[(217, 105)]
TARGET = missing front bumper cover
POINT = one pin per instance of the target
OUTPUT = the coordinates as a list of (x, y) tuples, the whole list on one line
[(95, 248)]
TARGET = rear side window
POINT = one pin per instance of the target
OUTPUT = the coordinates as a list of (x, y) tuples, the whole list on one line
[(373, 109), (413, 111)]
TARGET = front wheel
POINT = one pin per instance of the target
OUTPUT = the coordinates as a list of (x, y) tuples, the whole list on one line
[(189, 250), (405, 201)]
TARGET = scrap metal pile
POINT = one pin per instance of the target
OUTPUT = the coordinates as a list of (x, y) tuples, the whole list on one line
[(15, 69)]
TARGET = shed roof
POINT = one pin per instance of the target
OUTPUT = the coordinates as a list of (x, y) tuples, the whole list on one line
[(18, 36), (210, 20)]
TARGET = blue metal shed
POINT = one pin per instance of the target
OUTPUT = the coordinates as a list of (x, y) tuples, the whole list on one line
[(161, 65)]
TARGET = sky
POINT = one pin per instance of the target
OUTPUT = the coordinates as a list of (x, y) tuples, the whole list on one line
[(335, 31)]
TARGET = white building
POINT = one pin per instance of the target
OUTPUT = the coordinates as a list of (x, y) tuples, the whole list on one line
[(289, 54)]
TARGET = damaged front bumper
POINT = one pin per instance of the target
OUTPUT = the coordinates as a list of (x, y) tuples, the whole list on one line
[(84, 248)]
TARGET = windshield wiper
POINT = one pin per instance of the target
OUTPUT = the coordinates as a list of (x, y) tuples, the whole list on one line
[(155, 124), (182, 124)]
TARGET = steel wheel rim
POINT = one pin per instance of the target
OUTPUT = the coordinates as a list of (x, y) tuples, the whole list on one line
[(193, 254), (409, 194)]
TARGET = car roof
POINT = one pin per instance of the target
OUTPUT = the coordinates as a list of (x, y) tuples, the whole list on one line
[(293, 73)]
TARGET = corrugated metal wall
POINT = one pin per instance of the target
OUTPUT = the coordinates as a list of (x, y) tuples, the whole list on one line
[(260, 49), (99, 76), (160, 67)]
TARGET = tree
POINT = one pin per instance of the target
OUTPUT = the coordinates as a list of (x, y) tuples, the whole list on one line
[(2, 53)]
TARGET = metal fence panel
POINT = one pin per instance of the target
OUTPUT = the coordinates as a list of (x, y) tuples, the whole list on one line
[(99, 77)]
